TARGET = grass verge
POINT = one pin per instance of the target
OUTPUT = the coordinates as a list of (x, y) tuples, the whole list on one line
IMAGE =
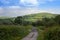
[(13, 32)]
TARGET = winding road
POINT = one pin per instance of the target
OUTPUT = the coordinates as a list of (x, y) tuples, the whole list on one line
[(32, 35)]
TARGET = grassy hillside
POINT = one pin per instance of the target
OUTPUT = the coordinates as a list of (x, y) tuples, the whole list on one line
[(38, 16), (33, 17)]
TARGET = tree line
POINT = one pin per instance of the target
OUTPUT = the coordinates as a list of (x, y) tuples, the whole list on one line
[(20, 21)]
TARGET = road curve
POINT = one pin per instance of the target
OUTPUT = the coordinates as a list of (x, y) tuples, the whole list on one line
[(32, 35)]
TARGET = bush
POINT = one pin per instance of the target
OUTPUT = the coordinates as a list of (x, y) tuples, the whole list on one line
[(57, 19), (37, 23), (18, 20), (25, 23), (48, 22), (50, 34), (13, 32), (6, 22)]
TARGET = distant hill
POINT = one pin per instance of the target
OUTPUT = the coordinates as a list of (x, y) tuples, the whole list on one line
[(33, 17), (7, 18), (38, 16)]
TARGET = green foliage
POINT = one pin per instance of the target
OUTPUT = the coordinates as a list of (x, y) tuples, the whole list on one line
[(57, 19), (13, 32), (52, 33), (10, 31), (35, 17), (18, 20), (5, 22), (21, 20), (37, 23), (25, 23), (48, 21), (26, 18)]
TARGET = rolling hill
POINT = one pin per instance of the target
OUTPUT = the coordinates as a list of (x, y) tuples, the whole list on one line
[(33, 17), (38, 16)]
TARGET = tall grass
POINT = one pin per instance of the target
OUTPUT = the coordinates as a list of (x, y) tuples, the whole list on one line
[(13, 32), (51, 33)]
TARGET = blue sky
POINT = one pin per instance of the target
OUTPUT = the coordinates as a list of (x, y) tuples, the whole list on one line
[(23, 7)]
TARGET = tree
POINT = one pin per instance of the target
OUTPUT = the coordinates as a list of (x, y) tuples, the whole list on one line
[(37, 23), (25, 23), (48, 21), (18, 20), (6, 22), (57, 19)]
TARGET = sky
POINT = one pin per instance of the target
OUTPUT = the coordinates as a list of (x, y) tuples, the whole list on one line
[(24, 7)]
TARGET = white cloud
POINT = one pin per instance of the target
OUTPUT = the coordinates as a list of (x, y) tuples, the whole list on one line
[(29, 2), (14, 7), (34, 2), (18, 11), (1, 10)]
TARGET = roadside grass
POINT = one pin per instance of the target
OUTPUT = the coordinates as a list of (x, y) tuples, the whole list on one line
[(51, 33), (13, 32)]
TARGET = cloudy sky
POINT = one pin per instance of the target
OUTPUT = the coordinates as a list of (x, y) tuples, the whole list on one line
[(23, 7)]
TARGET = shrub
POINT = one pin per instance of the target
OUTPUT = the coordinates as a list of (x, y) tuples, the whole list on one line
[(18, 20), (6, 22), (50, 34), (13, 32), (37, 23), (48, 22), (57, 19)]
